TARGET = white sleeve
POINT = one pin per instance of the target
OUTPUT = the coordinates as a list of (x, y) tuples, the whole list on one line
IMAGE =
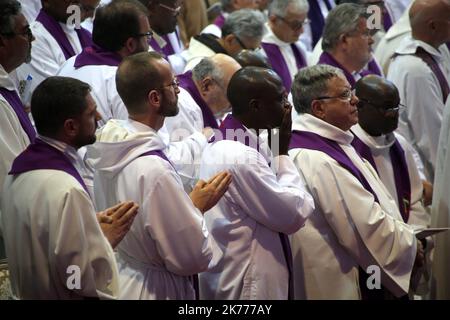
[(177, 227), (279, 201), (80, 242), (370, 235)]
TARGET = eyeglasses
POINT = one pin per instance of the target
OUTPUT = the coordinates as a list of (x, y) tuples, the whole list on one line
[(387, 112), (147, 34), (175, 11), (27, 33), (294, 25), (175, 84), (243, 46), (347, 95)]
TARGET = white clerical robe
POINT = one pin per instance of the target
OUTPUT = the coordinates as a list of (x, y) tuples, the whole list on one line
[(259, 204), (348, 228), (30, 9), (380, 149), (102, 79), (13, 139), (397, 8), (214, 29), (286, 50), (50, 230), (391, 41), (168, 241), (440, 212), (421, 93), (195, 53), (46, 54)]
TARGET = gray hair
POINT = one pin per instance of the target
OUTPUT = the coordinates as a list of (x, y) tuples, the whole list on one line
[(311, 83), (278, 7), (207, 68), (244, 23), (343, 19), (226, 4), (8, 9)]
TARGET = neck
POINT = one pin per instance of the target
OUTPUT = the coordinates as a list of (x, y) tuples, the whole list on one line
[(153, 121), (64, 139), (427, 38), (345, 61), (5, 64)]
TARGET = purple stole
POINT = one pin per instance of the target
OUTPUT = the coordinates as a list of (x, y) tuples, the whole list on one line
[(312, 141), (278, 63), (188, 84), (168, 49), (220, 20), (42, 156), (96, 56), (230, 123), (387, 21), (434, 66), (317, 19), (155, 46), (14, 101), (401, 173), (54, 28), (326, 58), (372, 68)]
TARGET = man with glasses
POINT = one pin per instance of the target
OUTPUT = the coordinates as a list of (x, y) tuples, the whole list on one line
[(281, 43), (16, 130), (121, 29), (242, 30), (169, 242), (57, 40), (228, 7), (163, 19), (420, 69), (388, 152), (356, 224)]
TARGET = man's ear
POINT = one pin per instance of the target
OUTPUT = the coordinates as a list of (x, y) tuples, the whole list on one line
[(71, 128), (318, 109), (153, 97), (205, 85), (130, 45), (254, 105)]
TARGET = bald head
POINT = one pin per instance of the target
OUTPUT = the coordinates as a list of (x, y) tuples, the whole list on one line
[(430, 21), (227, 65), (249, 58), (378, 105)]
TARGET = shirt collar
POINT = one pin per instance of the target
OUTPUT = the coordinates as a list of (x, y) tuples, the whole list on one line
[(66, 149), (6, 81), (378, 143), (310, 123), (270, 37), (410, 45)]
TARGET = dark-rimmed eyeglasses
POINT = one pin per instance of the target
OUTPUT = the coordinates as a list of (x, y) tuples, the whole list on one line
[(294, 25), (175, 84), (386, 112), (347, 95), (175, 11), (148, 34), (27, 33)]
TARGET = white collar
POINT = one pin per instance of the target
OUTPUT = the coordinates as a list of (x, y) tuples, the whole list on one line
[(378, 143), (6, 81), (310, 123), (409, 45), (66, 149)]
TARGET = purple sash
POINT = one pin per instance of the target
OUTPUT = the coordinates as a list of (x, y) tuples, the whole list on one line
[(155, 46), (326, 58), (96, 56), (387, 21), (278, 63), (401, 173), (168, 49), (317, 20), (42, 156), (373, 68), (220, 20), (54, 28), (188, 84), (14, 101), (157, 153), (231, 123), (434, 66)]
